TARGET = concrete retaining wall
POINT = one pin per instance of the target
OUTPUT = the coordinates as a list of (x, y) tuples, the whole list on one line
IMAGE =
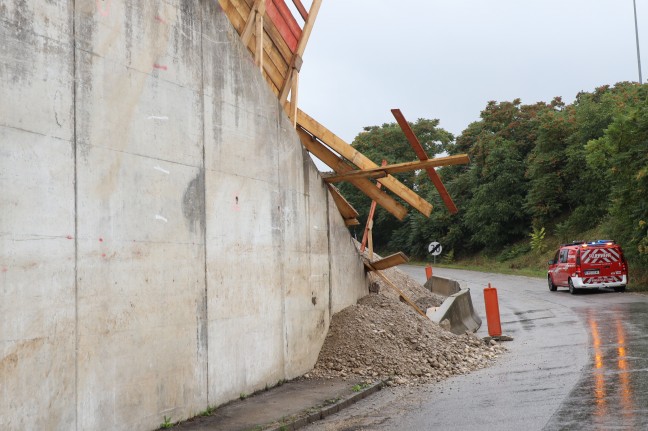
[(165, 242)]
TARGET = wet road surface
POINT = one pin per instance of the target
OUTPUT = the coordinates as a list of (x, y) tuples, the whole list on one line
[(577, 362)]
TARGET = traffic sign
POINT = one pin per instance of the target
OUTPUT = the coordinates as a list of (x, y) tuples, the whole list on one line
[(435, 248)]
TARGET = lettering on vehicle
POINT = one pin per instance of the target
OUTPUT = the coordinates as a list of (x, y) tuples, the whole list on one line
[(600, 256)]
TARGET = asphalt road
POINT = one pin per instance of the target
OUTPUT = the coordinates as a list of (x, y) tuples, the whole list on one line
[(577, 362)]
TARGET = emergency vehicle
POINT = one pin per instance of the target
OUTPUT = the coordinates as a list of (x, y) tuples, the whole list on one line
[(588, 265)]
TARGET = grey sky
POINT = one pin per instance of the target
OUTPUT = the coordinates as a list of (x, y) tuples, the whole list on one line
[(446, 59)]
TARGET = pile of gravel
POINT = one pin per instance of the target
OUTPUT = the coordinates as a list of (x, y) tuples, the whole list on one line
[(382, 337)]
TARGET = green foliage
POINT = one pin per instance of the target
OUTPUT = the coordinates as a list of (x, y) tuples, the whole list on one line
[(448, 257), (555, 169), (208, 411), (167, 423), (359, 387), (388, 142), (513, 252), (537, 239), (621, 156)]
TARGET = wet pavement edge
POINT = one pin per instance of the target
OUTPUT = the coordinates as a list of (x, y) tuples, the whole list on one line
[(302, 420)]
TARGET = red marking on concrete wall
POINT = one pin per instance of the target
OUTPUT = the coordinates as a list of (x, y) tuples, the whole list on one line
[(159, 19), (4, 270), (160, 66), (69, 237), (100, 239), (103, 7)]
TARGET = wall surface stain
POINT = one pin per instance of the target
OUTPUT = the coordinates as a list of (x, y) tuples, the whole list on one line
[(193, 203)]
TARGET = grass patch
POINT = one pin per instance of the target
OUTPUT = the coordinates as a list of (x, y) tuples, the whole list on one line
[(167, 423)]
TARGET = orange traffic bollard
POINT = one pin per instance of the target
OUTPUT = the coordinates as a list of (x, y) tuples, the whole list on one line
[(492, 311), (428, 271)]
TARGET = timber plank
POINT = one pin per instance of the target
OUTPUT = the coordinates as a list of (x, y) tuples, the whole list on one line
[(346, 209), (420, 152), (391, 260), (339, 165), (370, 267), (383, 171), (362, 162)]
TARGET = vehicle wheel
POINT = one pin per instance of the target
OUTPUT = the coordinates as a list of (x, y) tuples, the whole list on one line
[(552, 286), (619, 289), (572, 289)]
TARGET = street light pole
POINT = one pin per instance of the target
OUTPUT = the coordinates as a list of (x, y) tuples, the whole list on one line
[(634, 4)]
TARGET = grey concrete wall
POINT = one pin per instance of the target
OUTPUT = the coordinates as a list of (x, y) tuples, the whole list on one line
[(165, 242)]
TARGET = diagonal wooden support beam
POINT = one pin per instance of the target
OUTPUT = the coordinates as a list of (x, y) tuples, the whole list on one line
[(420, 152), (376, 271), (258, 7), (362, 162), (299, 52), (382, 171), (301, 9), (368, 231), (349, 214), (339, 165)]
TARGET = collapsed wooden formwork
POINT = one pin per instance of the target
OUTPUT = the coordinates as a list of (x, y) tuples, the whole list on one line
[(277, 39)]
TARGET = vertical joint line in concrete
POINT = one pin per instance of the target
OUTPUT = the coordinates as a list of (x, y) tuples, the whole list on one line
[(204, 191), (282, 245), (330, 256), (76, 219)]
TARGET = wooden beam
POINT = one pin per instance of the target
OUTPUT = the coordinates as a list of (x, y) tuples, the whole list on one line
[(370, 267), (301, 47), (277, 53), (420, 152), (246, 34), (339, 165), (383, 171), (391, 260), (362, 162), (301, 9), (368, 231), (258, 56), (349, 214), (293, 97)]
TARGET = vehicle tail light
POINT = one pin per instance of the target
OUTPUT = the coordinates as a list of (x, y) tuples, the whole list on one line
[(578, 264)]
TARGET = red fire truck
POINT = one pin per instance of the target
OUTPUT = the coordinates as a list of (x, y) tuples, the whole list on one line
[(588, 265)]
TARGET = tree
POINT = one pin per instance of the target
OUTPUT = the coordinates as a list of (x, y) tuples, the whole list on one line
[(388, 142), (546, 199), (621, 156)]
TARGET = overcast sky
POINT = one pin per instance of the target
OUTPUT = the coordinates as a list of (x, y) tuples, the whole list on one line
[(446, 59)]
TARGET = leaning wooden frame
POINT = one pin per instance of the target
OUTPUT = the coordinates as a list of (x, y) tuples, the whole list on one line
[(277, 40)]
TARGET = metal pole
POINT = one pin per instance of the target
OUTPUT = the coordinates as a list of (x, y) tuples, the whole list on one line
[(634, 4)]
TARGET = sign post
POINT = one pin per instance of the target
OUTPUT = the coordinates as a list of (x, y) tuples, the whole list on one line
[(435, 249)]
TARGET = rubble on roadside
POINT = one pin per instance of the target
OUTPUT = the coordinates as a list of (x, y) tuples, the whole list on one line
[(384, 338)]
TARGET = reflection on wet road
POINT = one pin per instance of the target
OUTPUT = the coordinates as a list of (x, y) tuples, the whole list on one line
[(613, 392), (577, 362)]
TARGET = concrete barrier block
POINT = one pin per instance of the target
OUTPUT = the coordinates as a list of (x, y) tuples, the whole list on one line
[(459, 311), (442, 286)]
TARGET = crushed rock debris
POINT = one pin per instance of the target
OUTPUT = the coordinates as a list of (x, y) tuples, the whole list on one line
[(383, 338)]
